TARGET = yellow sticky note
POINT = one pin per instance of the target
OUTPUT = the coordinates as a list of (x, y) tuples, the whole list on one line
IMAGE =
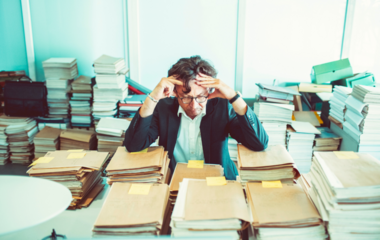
[(142, 151), (76, 155), (75, 150), (293, 117), (216, 181), (42, 160), (318, 117), (140, 189), (346, 155), (272, 184), (195, 164)]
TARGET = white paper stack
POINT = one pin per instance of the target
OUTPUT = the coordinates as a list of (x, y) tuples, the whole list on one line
[(108, 65), (4, 145), (276, 94), (65, 68), (111, 133), (232, 149), (337, 102), (81, 101)]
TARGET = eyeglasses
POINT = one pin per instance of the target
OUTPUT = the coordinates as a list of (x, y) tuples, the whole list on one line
[(199, 99)]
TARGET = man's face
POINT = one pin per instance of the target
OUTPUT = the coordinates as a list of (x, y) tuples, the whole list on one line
[(193, 108)]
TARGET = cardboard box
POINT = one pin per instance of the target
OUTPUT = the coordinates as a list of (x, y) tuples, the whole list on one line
[(331, 71), (366, 79)]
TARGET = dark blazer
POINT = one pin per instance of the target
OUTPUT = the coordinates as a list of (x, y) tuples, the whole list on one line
[(219, 121)]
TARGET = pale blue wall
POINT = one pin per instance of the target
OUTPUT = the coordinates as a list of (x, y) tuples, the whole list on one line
[(12, 41)]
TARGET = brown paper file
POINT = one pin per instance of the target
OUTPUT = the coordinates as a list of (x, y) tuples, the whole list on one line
[(78, 135), (48, 133), (122, 209), (215, 202)]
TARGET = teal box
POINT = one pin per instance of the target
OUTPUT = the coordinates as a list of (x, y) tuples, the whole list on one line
[(366, 79), (331, 71)]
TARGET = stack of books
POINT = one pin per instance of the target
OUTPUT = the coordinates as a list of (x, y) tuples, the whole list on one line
[(110, 87), (327, 140), (300, 141), (283, 211), (110, 133), (363, 118), (337, 102), (81, 101), (210, 208), (274, 163), (351, 201), (195, 169), (78, 139), (79, 171), (148, 166), (4, 145), (134, 210), (65, 68), (130, 105), (47, 140)]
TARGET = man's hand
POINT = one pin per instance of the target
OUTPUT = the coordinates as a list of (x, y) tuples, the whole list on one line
[(222, 90), (165, 88)]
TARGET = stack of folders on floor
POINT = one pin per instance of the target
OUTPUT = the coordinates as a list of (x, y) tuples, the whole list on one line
[(232, 149), (195, 169), (81, 101), (337, 102), (133, 210), (111, 133), (4, 145), (283, 211), (78, 139), (207, 208), (46, 140), (274, 163), (65, 68), (58, 98), (148, 166), (130, 105), (351, 201), (60, 123), (300, 141), (79, 171), (327, 140)]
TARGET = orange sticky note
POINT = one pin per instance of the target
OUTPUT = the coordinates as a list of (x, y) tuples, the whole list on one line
[(318, 117), (293, 118), (142, 151), (216, 181), (195, 164), (272, 184), (139, 189), (42, 160), (76, 155), (346, 155), (75, 150)]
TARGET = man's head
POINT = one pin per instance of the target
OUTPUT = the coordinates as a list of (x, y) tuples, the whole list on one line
[(186, 70)]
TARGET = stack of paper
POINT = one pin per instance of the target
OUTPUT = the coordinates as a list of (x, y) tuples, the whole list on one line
[(274, 163), (209, 208), (327, 140), (283, 211), (78, 139), (46, 140), (351, 202), (337, 102), (130, 105), (81, 101), (60, 67), (108, 65), (300, 141), (78, 170), (276, 94), (58, 98), (195, 169), (60, 123), (133, 210), (148, 166), (4, 145), (111, 133), (232, 149)]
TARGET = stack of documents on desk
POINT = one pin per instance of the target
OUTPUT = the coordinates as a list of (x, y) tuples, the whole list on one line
[(57, 97), (192, 170), (276, 94), (148, 166), (337, 102), (78, 139), (108, 65), (209, 209), (274, 163), (81, 101), (134, 209), (327, 140), (4, 145), (283, 211), (351, 201), (300, 141), (60, 67), (79, 171), (45, 141), (111, 133)]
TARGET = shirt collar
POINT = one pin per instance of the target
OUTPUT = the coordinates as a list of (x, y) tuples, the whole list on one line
[(180, 110)]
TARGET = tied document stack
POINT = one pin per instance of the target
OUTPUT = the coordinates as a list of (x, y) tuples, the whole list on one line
[(47, 140), (81, 102), (78, 139), (110, 133), (327, 140), (150, 165)]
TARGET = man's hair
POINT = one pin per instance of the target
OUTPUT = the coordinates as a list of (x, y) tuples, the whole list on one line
[(187, 69)]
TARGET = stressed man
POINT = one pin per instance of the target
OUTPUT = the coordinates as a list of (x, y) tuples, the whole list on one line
[(196, 122)]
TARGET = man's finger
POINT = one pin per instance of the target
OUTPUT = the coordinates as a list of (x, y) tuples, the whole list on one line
[(205, 82), (177, 82)]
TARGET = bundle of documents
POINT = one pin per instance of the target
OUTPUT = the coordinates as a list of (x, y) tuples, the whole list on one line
[(78, 170), (283, 211), (276, 94), (366, 94), (308, 116), (337, 102), (4, 145), (314, 88), (81, 101), (148, 166), (274, 163), (65, 68), (47, 140), (300, 141), (195, 169), (57, 97), (134, 209), (350, 202), (327, 140), (60, 123), (232, 149), (211, 207), (111, 133), (130, 105), (109, 65), (276, 132), (111, 80), (78, 139)]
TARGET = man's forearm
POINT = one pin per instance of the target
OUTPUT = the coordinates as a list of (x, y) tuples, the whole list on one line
[(147, 108), (240, 106)]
